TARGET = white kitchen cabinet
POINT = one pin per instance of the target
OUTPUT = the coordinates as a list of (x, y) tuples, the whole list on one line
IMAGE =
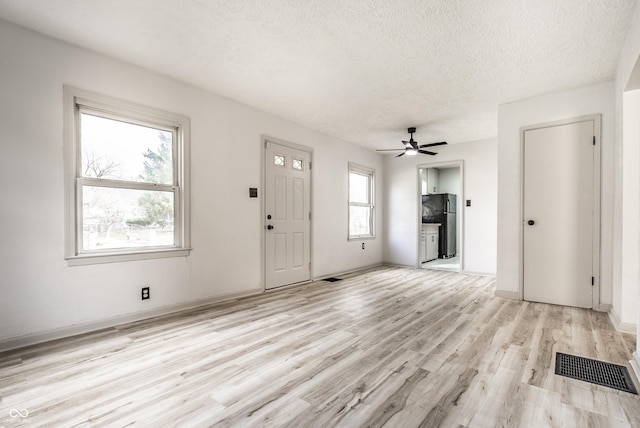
[(423, 245), (429, 181), (429, 242), (433, 181), (432, 245), (423, 181)]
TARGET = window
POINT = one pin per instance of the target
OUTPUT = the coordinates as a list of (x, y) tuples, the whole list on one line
[(279, 160), (126, 172), (297, 164), (361, 203)]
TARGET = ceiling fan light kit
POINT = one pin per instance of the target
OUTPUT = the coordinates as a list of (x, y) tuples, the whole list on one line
[(411, 147)]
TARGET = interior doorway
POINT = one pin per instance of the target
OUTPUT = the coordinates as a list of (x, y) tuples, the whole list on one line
[(440, 216)]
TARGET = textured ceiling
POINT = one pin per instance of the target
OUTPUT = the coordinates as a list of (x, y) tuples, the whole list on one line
[(361, 70)]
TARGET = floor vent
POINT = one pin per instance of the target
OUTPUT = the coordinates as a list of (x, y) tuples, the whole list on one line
[(594, 371), (332, 279)]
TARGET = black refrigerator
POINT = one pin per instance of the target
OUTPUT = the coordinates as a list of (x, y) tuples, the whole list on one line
[(441, 208)]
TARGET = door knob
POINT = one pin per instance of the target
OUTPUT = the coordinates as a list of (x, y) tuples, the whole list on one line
[(269, 227), (531, 222)]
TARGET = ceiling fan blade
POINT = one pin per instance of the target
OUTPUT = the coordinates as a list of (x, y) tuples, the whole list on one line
[(388, 150), (424, 152), (401, 154), (433, 144)]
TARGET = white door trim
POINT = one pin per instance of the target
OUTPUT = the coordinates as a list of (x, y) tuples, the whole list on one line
[(597, 130), (461, 204), (263, 210)]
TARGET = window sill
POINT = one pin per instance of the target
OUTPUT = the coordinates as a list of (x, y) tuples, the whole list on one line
[(361, 238), (94, 259)]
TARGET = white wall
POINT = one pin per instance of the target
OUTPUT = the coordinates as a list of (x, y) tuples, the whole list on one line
[(626, 289), (479, 185), (41, 293), (511, 118), (450, 181), (627, 78)]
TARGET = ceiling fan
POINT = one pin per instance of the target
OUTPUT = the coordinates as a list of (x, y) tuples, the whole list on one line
[(412, 148)]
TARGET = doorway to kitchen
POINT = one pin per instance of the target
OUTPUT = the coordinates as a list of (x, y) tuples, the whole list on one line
[(440, 216)]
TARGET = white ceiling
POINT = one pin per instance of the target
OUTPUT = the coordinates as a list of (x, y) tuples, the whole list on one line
[(361, 70)]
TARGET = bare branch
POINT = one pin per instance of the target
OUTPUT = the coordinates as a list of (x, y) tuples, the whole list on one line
[(97, 166)]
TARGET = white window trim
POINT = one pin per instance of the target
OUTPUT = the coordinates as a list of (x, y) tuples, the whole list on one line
[(360, 169), (73, 98)]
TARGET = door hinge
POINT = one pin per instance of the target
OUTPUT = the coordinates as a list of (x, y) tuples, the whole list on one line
[(310, 163), (266, 144), (309, 216), (309, 265), (593, 281), (594, 140)]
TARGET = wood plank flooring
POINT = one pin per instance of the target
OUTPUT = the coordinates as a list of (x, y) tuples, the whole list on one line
[(390, 346)]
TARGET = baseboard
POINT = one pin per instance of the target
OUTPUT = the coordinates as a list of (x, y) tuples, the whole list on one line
[(349, 272), (74, 330), (635, 364), (624, 327), (513, 295)]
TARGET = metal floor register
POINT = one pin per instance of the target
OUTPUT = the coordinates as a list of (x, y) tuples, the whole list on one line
[(594, 371)]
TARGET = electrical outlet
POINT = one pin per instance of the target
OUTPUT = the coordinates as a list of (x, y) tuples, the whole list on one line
[(363, 245), (146, 294)]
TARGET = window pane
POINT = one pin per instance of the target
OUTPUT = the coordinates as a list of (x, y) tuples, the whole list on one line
[(126, 218), (359, 221), (122, 151), (358, 188)]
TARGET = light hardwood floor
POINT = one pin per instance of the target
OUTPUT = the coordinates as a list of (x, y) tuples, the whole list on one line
[(386, 347)]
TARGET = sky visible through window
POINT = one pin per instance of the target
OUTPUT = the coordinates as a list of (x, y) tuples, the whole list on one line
[(358, 188), (114, 149)]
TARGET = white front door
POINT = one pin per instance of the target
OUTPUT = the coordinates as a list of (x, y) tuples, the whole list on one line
[(287, 215), (558, 214)]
